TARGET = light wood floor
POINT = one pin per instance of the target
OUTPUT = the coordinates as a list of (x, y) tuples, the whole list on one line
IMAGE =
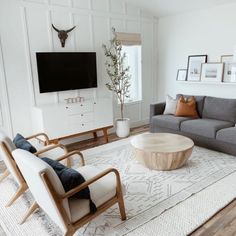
[(221, 224)]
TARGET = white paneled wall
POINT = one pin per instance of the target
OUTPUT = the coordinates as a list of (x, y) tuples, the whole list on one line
[(25, 28)]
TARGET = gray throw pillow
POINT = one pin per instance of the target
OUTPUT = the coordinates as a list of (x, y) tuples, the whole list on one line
[(170, 107)]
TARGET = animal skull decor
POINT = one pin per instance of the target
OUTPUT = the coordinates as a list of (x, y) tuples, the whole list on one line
[(62, 34)]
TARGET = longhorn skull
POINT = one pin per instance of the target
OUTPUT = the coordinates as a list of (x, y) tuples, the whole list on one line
[(62, 34)]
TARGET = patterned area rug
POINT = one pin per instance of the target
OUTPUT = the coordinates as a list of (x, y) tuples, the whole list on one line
[(152, 197)]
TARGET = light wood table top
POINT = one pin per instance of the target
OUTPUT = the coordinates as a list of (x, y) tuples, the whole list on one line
[(162, 151)]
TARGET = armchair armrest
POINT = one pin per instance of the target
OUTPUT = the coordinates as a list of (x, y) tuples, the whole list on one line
[(157, 109), (36, 136), (51, 148), (92, 180), (71, 154)]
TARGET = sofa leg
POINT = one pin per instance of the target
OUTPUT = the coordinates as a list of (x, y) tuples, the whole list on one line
[(122, 207)]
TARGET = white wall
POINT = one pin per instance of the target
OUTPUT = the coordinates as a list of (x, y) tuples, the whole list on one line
[(25, 28), (210, 31)]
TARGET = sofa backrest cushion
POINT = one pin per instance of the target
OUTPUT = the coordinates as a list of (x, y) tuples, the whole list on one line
[(220, 109), (199, 100)]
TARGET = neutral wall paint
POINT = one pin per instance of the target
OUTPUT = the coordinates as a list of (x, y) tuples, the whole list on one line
[(25, 28), (210, 31)]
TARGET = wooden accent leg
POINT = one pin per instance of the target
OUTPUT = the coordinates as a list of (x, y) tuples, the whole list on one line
[(69, 232), (4, 175), (30, 211), (68, 162), (122, 207), (95, 135), (18, 193), (105, 135)]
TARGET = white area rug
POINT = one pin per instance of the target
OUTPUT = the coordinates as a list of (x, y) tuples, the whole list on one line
[(157, 203)]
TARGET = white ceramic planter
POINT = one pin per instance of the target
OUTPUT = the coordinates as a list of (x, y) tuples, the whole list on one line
[(123, 127)]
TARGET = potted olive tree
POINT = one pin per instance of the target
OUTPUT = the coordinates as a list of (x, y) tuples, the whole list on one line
[(119, 83)]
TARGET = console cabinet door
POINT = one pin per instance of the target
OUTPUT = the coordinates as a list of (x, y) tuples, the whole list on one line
[(103, 112)]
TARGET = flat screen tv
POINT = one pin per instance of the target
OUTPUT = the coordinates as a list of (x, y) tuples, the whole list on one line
[(60, 71)]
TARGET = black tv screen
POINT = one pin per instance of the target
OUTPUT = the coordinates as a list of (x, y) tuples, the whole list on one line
[(59, 71)]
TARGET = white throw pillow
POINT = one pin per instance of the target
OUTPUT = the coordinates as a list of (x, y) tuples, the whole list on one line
[(171, 104)]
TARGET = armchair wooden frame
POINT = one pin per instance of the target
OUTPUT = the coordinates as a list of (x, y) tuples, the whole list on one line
[(21, 181), (73, 226)]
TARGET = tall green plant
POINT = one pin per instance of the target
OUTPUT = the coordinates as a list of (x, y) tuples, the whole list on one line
[(117, 71)]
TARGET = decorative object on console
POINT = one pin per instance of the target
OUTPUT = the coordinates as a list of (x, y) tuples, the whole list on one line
[(194, 67), (119, 80), (187, 107), (63, 34), (212, 72), (170, 107), (181, 75), (229, 64), (74, 100)]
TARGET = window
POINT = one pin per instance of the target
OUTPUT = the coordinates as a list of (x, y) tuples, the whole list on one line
[(131, 45), (133, 60)]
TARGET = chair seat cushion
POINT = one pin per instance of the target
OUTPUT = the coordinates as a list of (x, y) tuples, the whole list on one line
[(168, 121), (204, 127), (227, 135), (100, 191)]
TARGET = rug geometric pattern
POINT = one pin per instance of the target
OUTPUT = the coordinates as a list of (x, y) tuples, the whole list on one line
[(147, 192)]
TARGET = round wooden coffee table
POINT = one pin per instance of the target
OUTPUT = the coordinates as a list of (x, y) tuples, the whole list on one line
[(162, 151)]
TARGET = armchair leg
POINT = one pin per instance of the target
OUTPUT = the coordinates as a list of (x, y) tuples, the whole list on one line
[(121, 207), (19, 192), (4, 175), (30, 211), (69, 232)]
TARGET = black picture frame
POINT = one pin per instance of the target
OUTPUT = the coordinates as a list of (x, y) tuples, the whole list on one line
[(178, 77), (194, 71)]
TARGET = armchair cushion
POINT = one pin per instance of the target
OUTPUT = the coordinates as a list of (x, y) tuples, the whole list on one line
[(22, 143), (70, 179), (100, 191)]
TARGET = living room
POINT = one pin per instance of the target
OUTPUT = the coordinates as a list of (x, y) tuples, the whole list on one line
[(144, 176)]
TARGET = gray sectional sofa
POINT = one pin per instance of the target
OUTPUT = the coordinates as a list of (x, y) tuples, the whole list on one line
[(215, 129)]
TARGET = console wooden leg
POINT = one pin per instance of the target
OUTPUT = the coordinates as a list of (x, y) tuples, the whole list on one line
[(95, 135), (105, 135)]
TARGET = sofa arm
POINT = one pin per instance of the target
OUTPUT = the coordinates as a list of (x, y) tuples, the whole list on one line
[(157, 109)]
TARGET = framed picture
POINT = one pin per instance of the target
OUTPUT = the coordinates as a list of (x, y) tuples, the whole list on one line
[(229, 64), (194, 67), (212, 72), (181, 75)]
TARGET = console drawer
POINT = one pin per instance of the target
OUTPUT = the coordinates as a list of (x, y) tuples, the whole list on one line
[(80, 118), (79, 108)]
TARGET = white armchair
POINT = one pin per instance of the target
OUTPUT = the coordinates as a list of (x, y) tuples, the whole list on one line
[(70, 214), (6, 148)]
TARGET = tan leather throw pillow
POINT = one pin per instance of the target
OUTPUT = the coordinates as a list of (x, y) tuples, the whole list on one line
[(187, 107)]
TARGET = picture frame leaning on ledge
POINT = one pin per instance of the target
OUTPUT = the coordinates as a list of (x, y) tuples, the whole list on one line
[(194, 67), (181, 75)]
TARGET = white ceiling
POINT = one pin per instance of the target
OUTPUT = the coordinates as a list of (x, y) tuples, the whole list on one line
[(171, 7)]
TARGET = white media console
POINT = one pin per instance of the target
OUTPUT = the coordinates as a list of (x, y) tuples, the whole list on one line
[(65, 120)]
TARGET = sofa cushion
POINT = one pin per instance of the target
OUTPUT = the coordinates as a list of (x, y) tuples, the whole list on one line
[(170, 107), (187, 107), (22, 143), (168, 121), (199, 100), (204, 127), (220, 109), (227, 135)]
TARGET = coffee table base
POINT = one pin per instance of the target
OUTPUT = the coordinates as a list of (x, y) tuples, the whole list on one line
[(163, 161)]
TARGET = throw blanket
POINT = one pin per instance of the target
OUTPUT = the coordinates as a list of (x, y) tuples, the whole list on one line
[(70, 179)]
